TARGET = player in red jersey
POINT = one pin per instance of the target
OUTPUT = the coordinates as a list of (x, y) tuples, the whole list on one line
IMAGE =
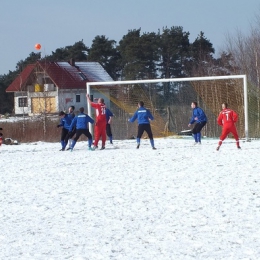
[(101, 122), (227, 119)]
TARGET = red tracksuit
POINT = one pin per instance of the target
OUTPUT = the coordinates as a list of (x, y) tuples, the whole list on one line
[(227, 118), (100, 125)]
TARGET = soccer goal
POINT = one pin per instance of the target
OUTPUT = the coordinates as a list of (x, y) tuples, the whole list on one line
[(169, 101)]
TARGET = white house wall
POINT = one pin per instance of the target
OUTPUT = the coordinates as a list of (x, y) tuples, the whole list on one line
[(63, 99), (67, 98), (20, 110)]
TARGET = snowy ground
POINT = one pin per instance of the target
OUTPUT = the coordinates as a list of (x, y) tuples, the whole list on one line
[(177, 202)]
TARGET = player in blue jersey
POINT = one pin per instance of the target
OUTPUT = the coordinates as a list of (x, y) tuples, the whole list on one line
[(109, 116), (200, 118), (70, 135), (81, 123), (143, 116), (65, 122)]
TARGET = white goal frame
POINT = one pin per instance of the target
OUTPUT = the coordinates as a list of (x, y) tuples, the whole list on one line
[(89, 84)]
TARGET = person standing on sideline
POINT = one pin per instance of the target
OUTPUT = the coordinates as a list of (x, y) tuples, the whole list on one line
[(73, 132), (100, 124), (143, 116), (227, 119), (109, 116), (65, 122), (200, 118), (80, 122)]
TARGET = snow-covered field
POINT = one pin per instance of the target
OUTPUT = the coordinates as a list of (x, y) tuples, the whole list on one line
[(177, 202)]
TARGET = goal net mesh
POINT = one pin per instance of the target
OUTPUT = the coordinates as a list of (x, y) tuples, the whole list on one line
[(170, 102)]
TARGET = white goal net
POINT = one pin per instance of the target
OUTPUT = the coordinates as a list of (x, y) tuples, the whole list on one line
[(169, 101)]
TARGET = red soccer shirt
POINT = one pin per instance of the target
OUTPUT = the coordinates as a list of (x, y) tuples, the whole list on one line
[(227, 116), (100, 112)]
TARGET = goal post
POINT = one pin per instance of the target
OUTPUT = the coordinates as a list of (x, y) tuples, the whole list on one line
[(169, 100)]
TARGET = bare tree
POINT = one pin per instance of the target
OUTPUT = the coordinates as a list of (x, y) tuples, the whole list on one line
[(245, 50)]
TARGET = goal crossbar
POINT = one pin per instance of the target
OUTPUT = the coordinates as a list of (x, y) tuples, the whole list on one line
[(89, 84)]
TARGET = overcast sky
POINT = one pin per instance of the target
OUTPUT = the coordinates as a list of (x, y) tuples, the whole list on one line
[(59, 23)]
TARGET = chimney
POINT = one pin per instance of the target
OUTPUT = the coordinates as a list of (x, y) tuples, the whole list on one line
[(72, 62)]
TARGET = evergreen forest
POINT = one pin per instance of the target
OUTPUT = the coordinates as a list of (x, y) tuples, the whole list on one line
[(167, 53)]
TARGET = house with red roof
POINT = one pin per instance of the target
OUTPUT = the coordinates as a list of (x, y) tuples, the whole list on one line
[(49, 87)]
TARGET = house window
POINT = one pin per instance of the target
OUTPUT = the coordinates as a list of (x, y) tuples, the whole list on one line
[(22, 102), (77, 98)]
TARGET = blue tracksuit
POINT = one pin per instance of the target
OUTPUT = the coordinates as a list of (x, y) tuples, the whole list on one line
[(142, 115), (108, 126), (71, 116), (199, 113), (200, 122), (65, 121), (108, 114), (81, 121)]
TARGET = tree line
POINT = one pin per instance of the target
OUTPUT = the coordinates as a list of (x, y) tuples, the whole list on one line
[(165, 54)]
